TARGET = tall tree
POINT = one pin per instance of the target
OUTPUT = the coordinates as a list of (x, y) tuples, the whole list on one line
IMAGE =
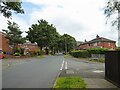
[(8, 7), (13, 34), (112, 7), (43, 33), (67, 43)]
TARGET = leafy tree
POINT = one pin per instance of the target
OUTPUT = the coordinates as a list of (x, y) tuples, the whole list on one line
[(43, 33), (113, 6), (67, 43), (13, 34), (8, 7)]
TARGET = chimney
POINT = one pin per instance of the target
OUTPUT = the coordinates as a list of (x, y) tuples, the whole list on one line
[(97, 36)]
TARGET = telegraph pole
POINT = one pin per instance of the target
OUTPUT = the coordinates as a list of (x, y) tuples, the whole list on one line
[(119, 28), (65, 46)]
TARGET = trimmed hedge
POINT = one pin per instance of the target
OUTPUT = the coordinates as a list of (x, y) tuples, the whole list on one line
[(87, 53), (80, 53), (97, 50)]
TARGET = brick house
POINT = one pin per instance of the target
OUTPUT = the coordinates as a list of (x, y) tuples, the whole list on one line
[(4, 44), (98, 42), (29, 47)]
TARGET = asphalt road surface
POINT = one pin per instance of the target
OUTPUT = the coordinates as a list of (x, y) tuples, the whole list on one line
[(38, 73)]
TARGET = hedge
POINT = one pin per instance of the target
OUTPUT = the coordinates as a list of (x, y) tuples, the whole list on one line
[(87, 53), (80, 53), (97, 50)]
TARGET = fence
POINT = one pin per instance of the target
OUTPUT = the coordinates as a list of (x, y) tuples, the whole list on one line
[(112, 67), (97, 56)]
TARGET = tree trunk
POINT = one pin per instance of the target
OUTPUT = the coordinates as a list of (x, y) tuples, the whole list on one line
[(41, 48)]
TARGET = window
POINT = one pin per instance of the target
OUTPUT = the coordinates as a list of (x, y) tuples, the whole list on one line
[(95, 44), (109, 44)]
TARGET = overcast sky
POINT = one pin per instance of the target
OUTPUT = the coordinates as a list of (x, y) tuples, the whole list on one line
[(82, 19)]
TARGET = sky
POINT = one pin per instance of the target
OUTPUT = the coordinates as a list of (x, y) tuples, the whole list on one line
[(82, 19)]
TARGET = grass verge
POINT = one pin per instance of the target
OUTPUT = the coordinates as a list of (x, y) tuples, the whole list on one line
[(97, 60), (69, 82), (41, 56)]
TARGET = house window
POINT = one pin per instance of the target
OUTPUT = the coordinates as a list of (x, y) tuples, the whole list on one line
[(99, 43), (95, 44), (109, 44)]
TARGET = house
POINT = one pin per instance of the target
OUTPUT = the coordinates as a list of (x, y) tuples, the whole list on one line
[(78, 43), (4, 44), (98, 42), (29, 47)]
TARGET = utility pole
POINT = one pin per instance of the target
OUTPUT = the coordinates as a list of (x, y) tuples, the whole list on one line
[(119, 28), (65, 46)]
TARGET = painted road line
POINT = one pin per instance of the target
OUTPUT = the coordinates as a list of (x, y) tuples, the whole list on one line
[(65, 65), (62, 65)]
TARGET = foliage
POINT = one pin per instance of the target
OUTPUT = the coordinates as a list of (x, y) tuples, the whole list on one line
[(46, 35), (80, 53), (40, 52), (66, 43), (19, 50), (87, 53), (8, 7), (118, 48), (113, 7), (13, 34), (97, 50), (70, 82), (17, 54), (101, 60), (42, 33)]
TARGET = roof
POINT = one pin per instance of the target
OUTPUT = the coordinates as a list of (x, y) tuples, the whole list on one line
[(98, 39), (79, 42)]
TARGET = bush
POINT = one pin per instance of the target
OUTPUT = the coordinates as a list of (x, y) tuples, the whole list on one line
[(80, 53), (118, 48), (40, 52), (19, 50), (87, 53), (97, 50), (17, 54)]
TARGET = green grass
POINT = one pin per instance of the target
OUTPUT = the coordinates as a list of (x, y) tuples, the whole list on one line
[(99, 60), (69, 82), (67, 56), (41, 56)]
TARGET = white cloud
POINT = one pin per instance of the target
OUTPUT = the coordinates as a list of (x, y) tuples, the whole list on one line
[(82, 19)]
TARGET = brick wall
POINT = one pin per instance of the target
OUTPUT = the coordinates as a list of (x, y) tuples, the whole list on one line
[(4, 44)]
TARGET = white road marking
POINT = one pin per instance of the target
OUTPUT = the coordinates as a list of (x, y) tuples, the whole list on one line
[(98, 71), (65, 65), (62, 65)]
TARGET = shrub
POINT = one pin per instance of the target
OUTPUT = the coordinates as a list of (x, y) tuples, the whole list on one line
[(17, 54), (97, 50), (19, 50), (80, 53), (40, 52), (118, 48)]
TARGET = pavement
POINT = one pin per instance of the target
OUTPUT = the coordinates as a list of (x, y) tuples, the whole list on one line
[(92, 72)]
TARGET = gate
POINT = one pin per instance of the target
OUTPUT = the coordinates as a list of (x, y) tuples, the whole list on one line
[(112, 67)]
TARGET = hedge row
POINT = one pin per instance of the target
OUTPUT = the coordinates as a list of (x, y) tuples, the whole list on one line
[(87, 53), (80, 53)]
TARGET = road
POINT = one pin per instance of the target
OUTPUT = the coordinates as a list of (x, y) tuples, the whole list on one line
[(41, 72), (84, 68), (38, 73)]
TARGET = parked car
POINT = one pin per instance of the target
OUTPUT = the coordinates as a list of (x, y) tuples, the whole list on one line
[(1, 55)]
